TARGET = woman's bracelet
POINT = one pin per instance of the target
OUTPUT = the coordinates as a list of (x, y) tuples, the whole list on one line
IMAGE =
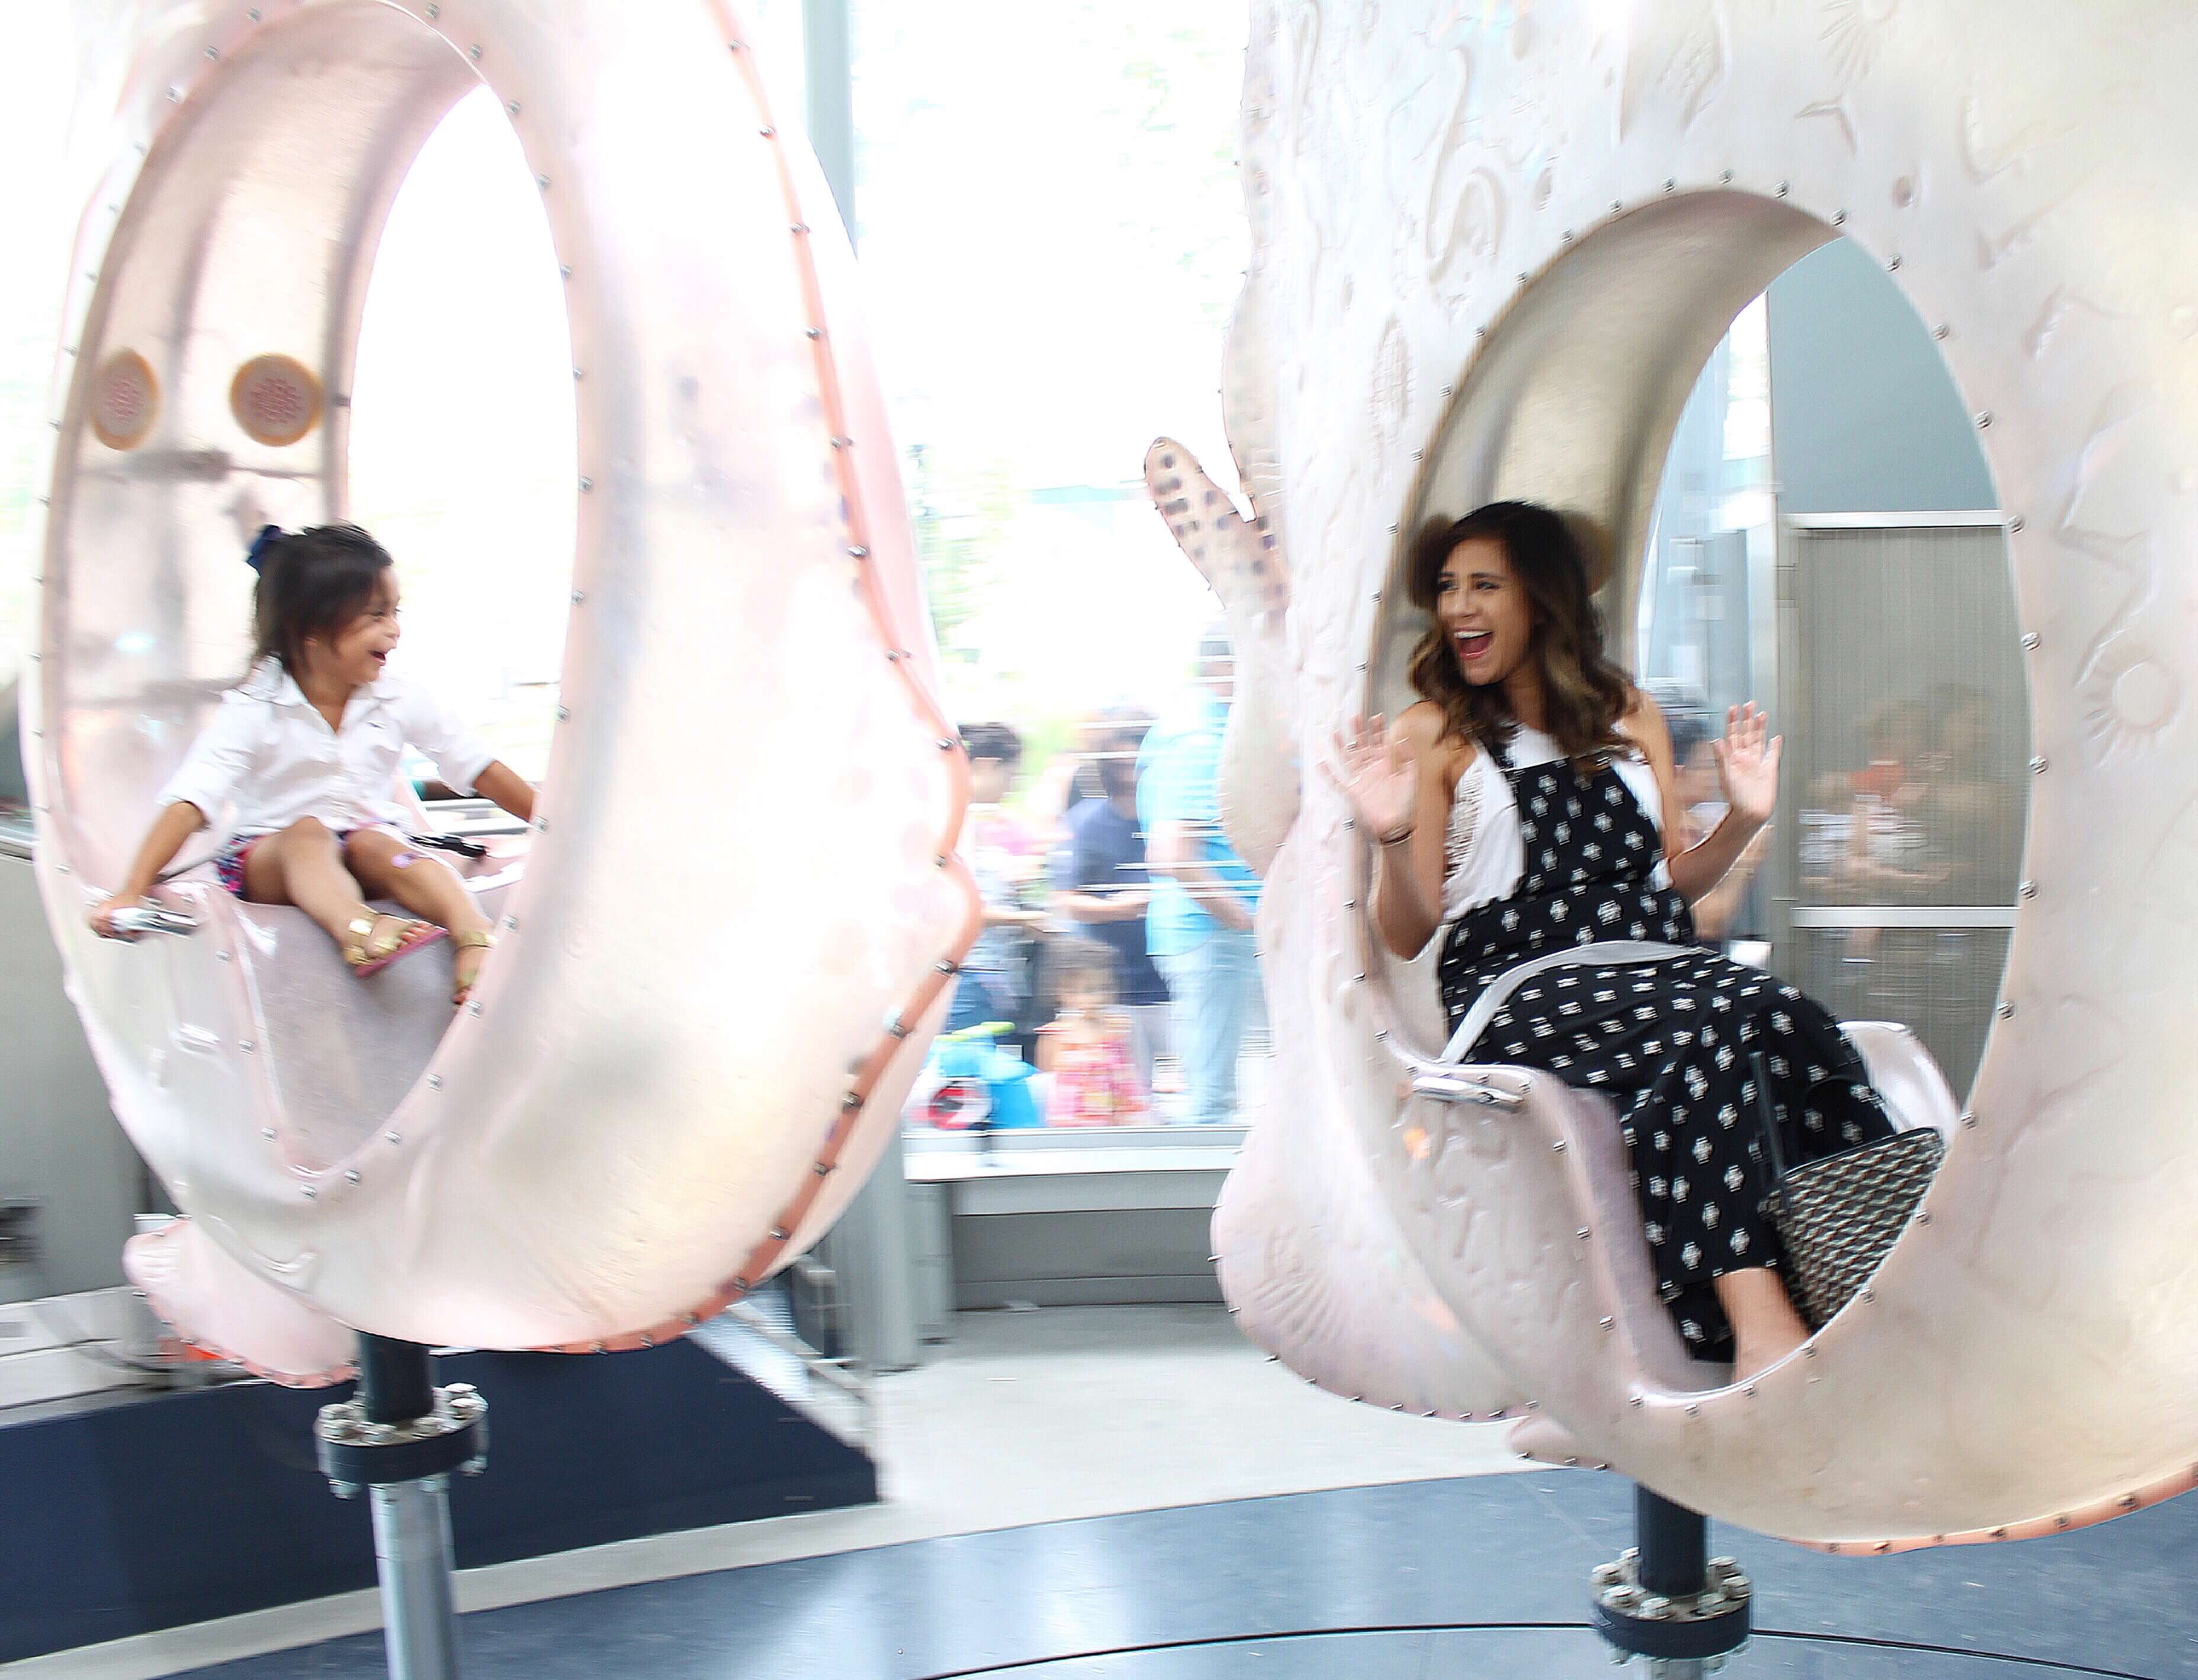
[(1397, 839)]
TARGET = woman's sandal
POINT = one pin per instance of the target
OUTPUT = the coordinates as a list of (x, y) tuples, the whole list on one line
[(469, 942), (368, 955)]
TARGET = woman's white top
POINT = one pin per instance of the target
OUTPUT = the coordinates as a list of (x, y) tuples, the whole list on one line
[(268, 759), (1486, 850)]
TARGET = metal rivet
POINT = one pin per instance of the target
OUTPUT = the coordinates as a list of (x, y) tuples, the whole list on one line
[(843, 442), (510, 923), (433, 12), (1392, 531), (1724, 177), (175, 96), (741, 1284), (1694, 1411), (309, 1192), (2028, 889), (1636, 1403), (586, 484), (1867, 1296), (213, 55), (1968, 1123), (221, 957), (767, 132), (473, 1008), (245, 1045), (510, 107), (800, 228), (851, 1101), (946, 966), (1608, 1324), (564, 271), (434, 1082), (351, 1176), (473, 52), (2006, 1011), (647, 1339), (1893, 263), (824, 1169), (858, 552), (542, 825), (1565, 236), (253, 14), (578, 595), (543, 182), (1984, 419), (779, 1233), (564, 714), (1839, 218), (1617, 206), (2038, 766), (267, 1132), (1671, 185), (2030, 639), (1351, 903), (2016, 523), (1922, 1219), (1559, 1146), (1358, 979), (1581, 1235), (393, 1137), (812, 332), (1418, 454), (1783, 189)]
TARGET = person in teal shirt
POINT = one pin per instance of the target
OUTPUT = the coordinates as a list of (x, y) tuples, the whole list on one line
[(1199, 928)]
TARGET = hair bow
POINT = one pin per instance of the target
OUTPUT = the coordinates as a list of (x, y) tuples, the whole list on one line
[(255, 555)]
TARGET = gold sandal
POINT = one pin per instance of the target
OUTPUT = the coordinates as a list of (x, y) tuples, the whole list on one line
[(469, 942), (368, 955)]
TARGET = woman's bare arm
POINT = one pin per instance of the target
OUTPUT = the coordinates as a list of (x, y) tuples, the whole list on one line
[(503, 786), (1408, 876)]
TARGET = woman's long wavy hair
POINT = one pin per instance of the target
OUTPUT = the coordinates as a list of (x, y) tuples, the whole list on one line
[(1584, 693)]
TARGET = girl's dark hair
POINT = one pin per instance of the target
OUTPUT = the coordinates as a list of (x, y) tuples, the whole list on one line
[(1083, 965), (992, 741), (1584, 693), (312, 583)]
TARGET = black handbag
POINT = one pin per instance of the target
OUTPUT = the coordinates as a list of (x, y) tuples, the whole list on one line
[(1839, 1216)]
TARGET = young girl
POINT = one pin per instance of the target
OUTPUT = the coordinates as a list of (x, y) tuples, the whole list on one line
[(306, 750), (1087, 1048)]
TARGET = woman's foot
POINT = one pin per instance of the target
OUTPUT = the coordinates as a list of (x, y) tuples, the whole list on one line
[(1766, 1328), (378, 939), (471, 950)]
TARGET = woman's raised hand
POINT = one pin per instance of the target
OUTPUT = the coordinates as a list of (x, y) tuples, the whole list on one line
[(1377, 775), (1747, 763)]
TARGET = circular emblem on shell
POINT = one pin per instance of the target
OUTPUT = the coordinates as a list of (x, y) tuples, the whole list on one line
[(125, 400), (277, 399)]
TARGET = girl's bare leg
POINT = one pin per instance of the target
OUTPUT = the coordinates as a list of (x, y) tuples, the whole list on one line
[(424, 884), (303, 865), (1766, 1328)]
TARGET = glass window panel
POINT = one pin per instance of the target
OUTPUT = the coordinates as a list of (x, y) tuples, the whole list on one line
[(1053, 236)]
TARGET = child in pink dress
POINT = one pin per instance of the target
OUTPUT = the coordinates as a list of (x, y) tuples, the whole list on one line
[(1086, 1048)]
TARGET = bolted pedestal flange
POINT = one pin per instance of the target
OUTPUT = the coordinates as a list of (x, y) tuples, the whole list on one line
[(355, 1451), (1666, 1601)]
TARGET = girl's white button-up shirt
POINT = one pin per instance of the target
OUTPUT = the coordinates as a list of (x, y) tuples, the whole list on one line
[(268, 759)]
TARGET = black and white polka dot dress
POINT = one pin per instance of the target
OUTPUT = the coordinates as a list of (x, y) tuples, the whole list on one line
[(1667, 1042)]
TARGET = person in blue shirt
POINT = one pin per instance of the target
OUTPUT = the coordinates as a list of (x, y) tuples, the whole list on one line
[(1107, 887), (1199, 927)]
